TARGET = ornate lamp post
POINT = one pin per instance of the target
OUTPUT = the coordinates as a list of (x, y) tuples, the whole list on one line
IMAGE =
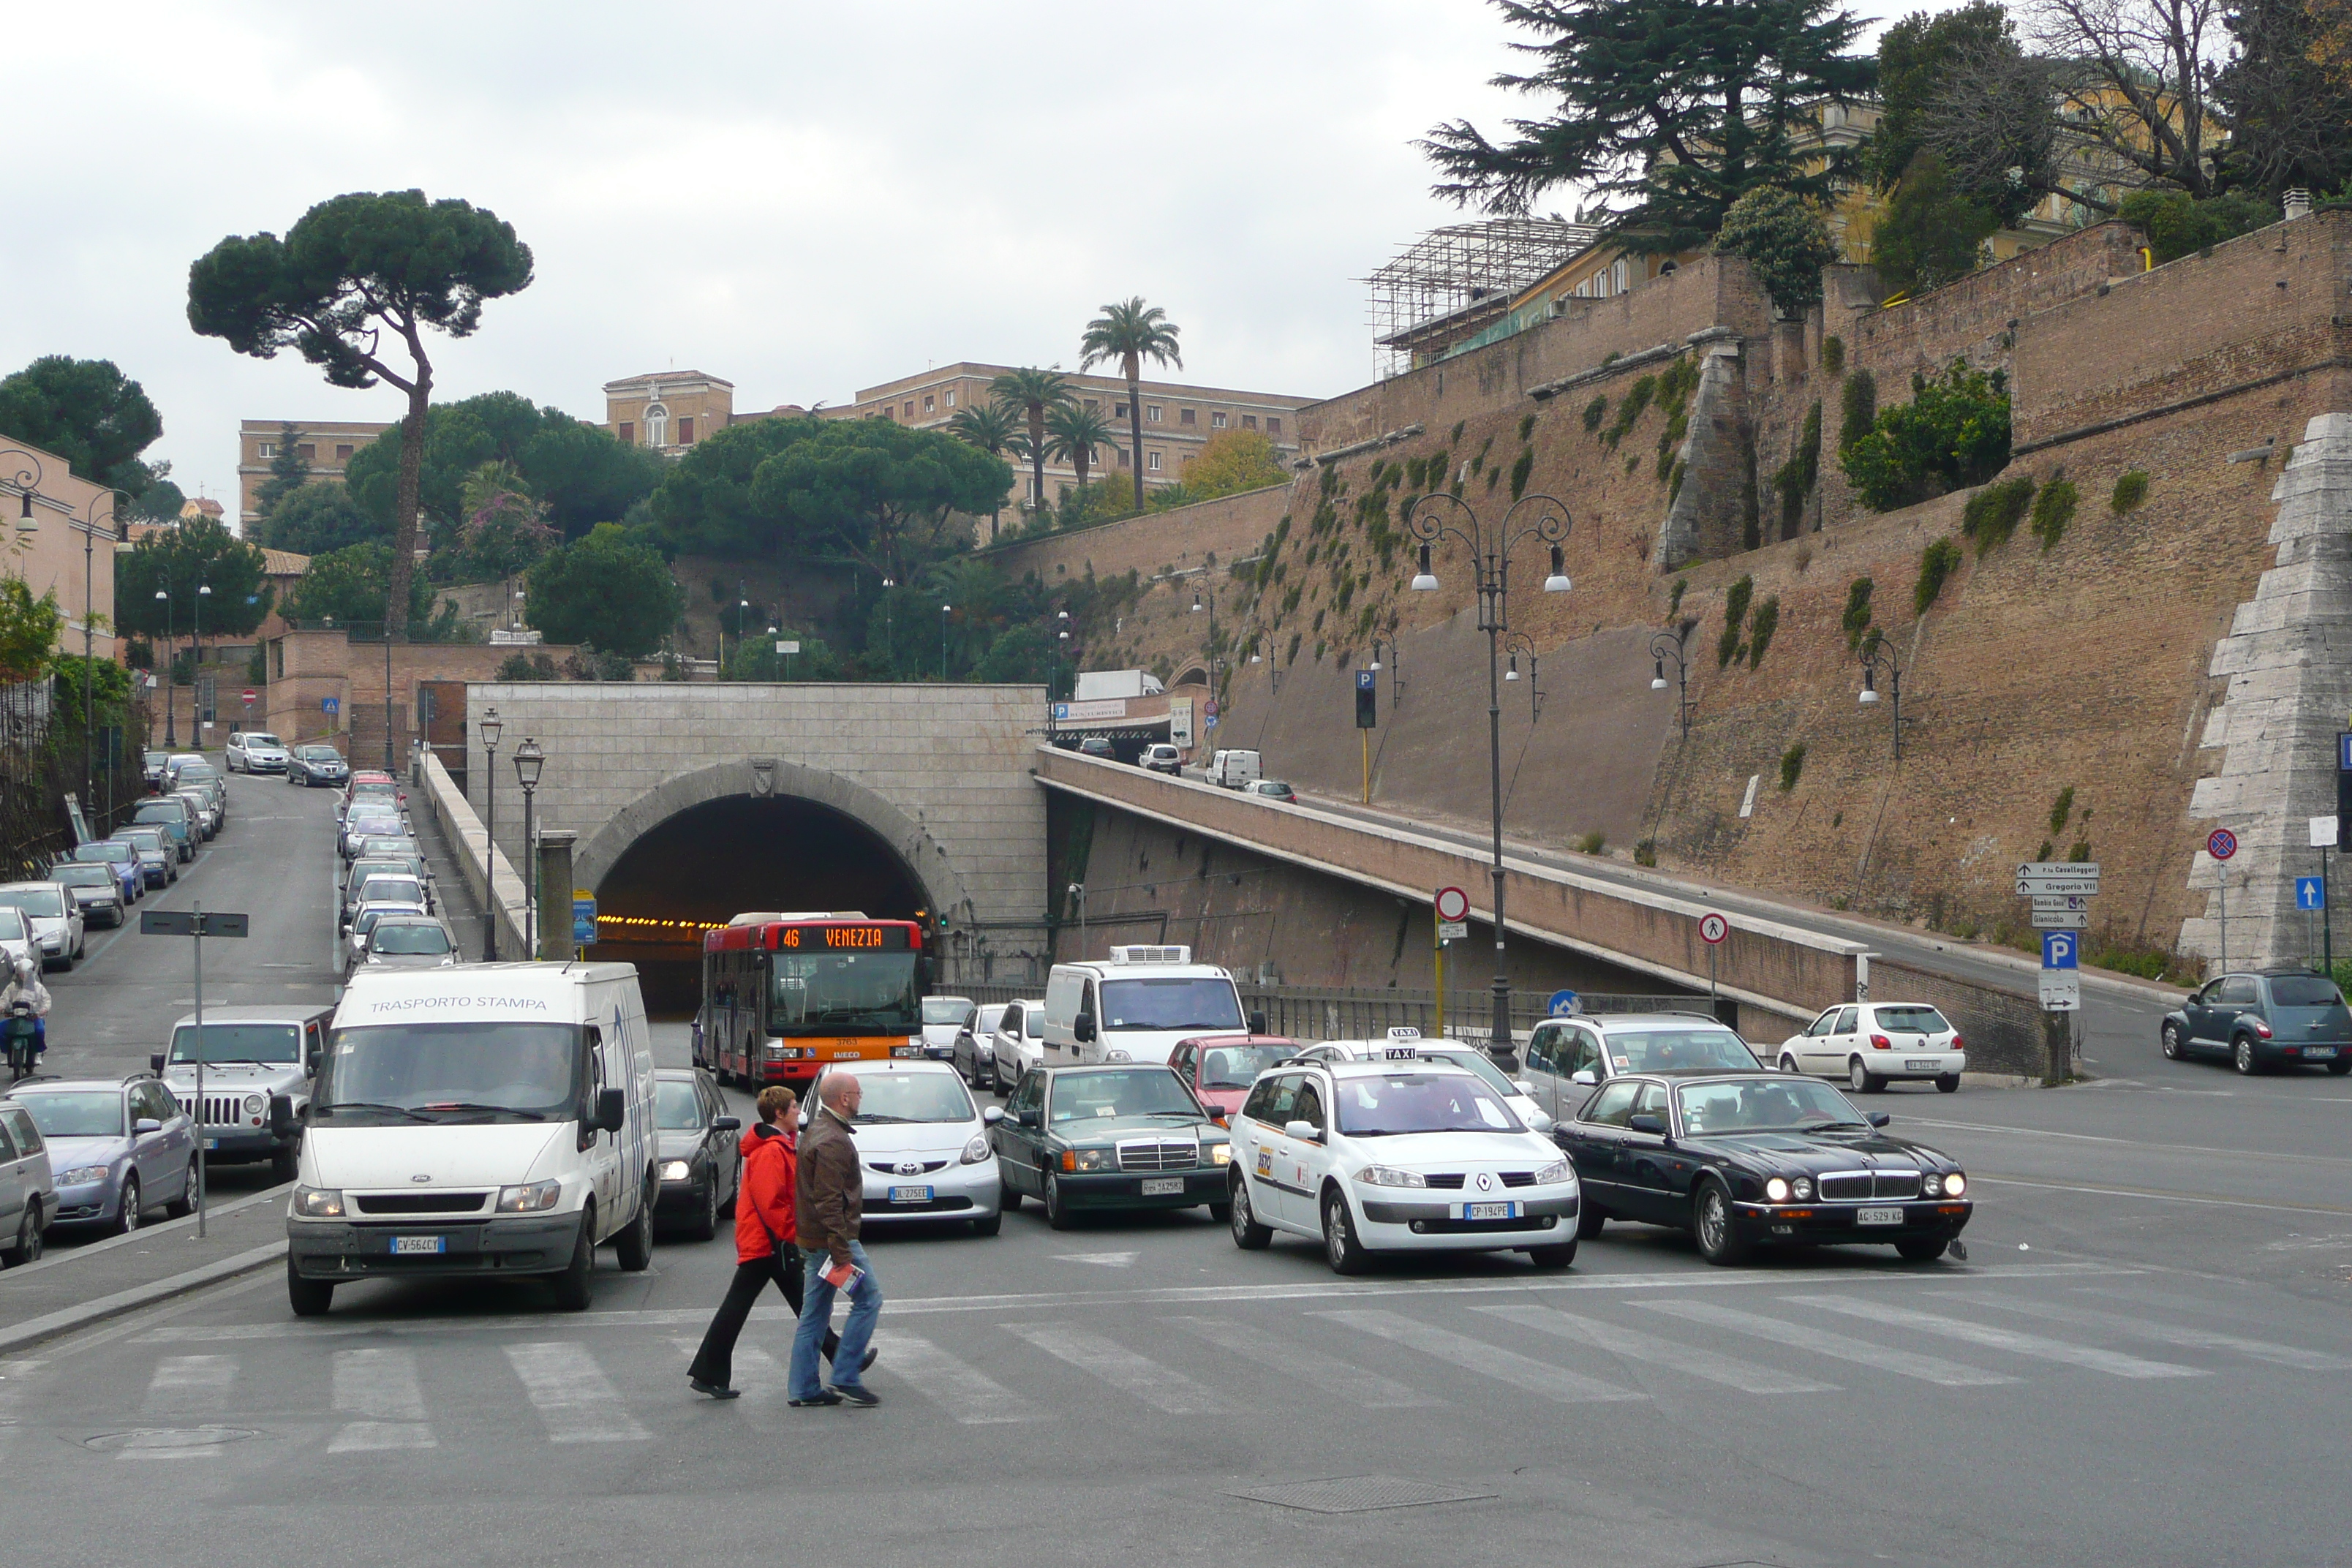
[(1433, 520), (529, 760), (1876, 648), (491, 726), (1516, 643), (196, 643), (89, 525), (1667, 645), (944, 609), (171, 705)]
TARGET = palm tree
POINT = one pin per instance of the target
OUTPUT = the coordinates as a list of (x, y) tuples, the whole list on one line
[(1032, 392), (1073, 432), (1126, 332), (992, 427)]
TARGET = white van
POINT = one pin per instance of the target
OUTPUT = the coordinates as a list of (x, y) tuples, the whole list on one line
[(1139, 1006), (491, 1119), (1236, 769)]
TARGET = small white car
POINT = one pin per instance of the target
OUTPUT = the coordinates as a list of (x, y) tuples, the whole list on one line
[(1162, 758), (54, 914), (972, 1044), (1396, 1156), (256, 751), (1407, 1045), (353, 949), (923, 1144), (1873, 1044), (1018, 1045), (943, 1018)]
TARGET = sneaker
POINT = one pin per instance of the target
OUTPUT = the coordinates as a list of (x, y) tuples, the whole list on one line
[(827, 1398), (856, 1393), (716, 1390), (866, 1361)]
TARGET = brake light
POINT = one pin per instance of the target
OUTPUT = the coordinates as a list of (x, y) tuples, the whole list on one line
[(1955, 1044), (2262, 1028), (1880, 1043)]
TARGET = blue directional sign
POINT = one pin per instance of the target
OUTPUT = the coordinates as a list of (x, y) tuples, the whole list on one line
[(2310, 893), (1562, 1003), (2058, 949), (2344, 750)]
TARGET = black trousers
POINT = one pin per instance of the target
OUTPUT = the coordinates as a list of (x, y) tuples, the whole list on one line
[(715, 1362)]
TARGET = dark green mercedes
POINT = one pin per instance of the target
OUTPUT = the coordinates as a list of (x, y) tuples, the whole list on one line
[(1109, 1138)]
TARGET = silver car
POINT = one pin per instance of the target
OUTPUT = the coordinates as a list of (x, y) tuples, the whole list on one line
[(406, 941), (15, 937), (117, 1145), (386, 887), (207, 812), (55, 915), (256, 751), (96, 888), (1017, 1046), (28, 1194), (363, 922)]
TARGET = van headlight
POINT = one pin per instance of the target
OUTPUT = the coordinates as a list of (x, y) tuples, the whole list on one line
[(1117, 1057), (319, 1202), (674, 1169), (1221, 1154), (1553, 1175), (1389, 1176), (976, 1151), (533, 1198)]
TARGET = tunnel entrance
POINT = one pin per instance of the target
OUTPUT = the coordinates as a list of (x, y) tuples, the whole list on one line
[(713, 862)]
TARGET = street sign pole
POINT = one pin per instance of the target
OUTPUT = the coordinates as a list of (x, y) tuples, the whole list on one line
[(2222, 844), (195, 923), (1437, 964)]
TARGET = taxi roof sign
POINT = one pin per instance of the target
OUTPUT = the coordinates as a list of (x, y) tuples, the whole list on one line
[(1403, 1032)]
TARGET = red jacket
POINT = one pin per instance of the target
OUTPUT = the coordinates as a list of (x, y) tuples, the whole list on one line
[(763, 1205)]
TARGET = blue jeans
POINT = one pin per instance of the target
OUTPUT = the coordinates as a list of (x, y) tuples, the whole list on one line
[(816, 1317)]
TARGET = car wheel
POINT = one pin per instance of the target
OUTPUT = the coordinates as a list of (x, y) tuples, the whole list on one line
[(706, 1224), (2340, 1065), (1008, 1198), (2171, 1037), (29, 1239), (572, 1285), (127, 1220), (1921, 1248), (1590, 1218), (1947, 1083), (1341, 1248), (987, 1083), (989, 1226), (1718, 1231), (1787, 1063), (1056, 1214), (2242, 1055), (1862, 1079), (308, 1297), (634, 1248), (185, 1205), (1241, 1220), (1559, 1256)]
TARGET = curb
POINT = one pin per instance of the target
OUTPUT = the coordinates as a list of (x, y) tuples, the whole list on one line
[(48, 1327), (144, 1232)]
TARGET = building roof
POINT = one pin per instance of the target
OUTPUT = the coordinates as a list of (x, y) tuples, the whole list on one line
[(285, 562), (201, 506), (663, 377)]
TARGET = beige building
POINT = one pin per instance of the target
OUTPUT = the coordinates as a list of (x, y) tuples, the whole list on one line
[(65, 546), (670, 410), (325, 446)]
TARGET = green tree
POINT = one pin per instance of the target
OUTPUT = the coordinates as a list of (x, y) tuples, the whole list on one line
[(876, 491), (1952, 433), (29, 629), (1073, 432), (1668, 110), (288, 472), (1018, 655), (199, 553), (1032, 392), (88, 412), (316, 518), (1784, 242), (1930, 234), (352, 271), (346, 586), (992, 427), (2290, 119), (504, 530), (1922, 59), (604, 591), (1232, 461), (755, 658), (704, 506), (577, 471), (2178, 225), (1129, 331)]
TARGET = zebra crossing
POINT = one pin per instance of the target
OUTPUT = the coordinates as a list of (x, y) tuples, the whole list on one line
[(604, 1380)]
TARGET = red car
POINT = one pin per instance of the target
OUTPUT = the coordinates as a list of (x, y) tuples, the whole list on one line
[(1220, 1068)]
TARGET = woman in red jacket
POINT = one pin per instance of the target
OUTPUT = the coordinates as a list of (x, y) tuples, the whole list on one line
[(764, 1232)]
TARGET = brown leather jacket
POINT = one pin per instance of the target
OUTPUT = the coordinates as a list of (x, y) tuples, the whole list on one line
[(831, 1198)]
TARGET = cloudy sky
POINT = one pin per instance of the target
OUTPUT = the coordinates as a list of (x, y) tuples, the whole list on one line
[(805, 199)]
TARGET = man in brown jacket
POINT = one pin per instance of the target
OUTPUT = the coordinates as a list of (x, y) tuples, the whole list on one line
[(826, 1211)]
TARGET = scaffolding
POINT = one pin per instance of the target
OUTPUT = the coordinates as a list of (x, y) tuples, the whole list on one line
[(1454, 281)]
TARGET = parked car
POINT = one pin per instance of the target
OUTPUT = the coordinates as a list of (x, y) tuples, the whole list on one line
[(407, 942), (1272, 789), (175, 819), (1743, 1159), (386, 887), (158, 857), (1872, 1043), (151, 768), (380, 799), (972, 1043), (201, 774), (366, 776), (120, 857), (1017, 1046), (255, 751), (1162, 758), (96, 888), (1220, 1068), (200, 806), (368, 866), (1404, 1044), (1235, 769), (255, 1058), (1118, 1137), (15, 937), (2263, 1019), (351, 953), (55, 915), (924, 1144), (386, 845), (700, 1152), (368, 822), (29, 1191), (309, 765), (943, 1018), (1566, 1058), (1096, 746), (116, 1146)]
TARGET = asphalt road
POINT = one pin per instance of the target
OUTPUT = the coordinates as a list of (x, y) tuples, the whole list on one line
[(2141, 1362)]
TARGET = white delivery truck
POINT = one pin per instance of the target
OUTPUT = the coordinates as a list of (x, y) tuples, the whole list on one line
[(1236, 770), (1139, 1006), (489, 1120)]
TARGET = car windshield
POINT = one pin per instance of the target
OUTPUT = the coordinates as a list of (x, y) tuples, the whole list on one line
[(112, 852), (386, 843), (391, 890), (2304, 991), (150, 839), (945, 1009), (239, 1043), (1922, 1019), (1705, 1048), (829, 992), (13, 927), (1199, 1003), (157, 759), (76, 1113), (1237, 1067), (404, 1072), (203, 771), (1420, 1102), (85, 876), (256, 738), (363, 825), (408, 938), (1478, 1062), (891, 1097), (1757, 1107), (321, 754), (160, 811), (45, 902), (676, 1108), (1100, 1096)]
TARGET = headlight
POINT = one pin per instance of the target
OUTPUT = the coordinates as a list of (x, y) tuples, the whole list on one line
[(1955, 1185), (1389, 1176), (1803, 1188), (1775, 1191), (80, 1175), (1933, 1186), (530, 1199), (1117, 1057), (319, 1202), (1221, 1153), (253, 1104), (1553, 1175), (976, 1151), (1088, 1160), (674, 1169)]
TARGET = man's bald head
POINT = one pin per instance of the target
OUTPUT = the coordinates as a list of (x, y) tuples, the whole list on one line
[(840, 1093)]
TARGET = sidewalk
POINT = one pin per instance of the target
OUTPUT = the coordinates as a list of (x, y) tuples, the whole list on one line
[(70, 1290)]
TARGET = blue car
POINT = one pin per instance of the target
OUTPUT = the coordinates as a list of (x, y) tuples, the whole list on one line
[(117, 1148), (121, 858)]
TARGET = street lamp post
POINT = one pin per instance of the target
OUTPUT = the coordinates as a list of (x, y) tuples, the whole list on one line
[(89, 713), (1491, 561), (1059, 643), (1198, 596), (491, 727), (195, 693), (529, 760), (889, 632), (1667, 645), (171, 703), (387, 695), (1516, 643), (1877, 648), (943, 639)]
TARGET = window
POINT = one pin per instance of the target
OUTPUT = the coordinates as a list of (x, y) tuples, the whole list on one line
[(657, 424), (1271, 1100), (1187, 416), (1123, 459), (268, 449), (1844, 1025), (343, 451), (2238, 991), (1309, 1106), (1273, 426), (950, 397), (685, 431), (1093, 406), (1613, 1104), (1151, 414), (1617, 286), (1151, 461), (1249, 421), (1118, 411), (910, 408), (628, 432), (306, 450), (929, 405), (1217, 420)]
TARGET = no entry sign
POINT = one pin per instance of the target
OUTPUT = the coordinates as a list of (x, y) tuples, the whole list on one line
[(1453, 904)]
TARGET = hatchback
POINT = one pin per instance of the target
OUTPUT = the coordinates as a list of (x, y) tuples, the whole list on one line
[(97, 889), (29, 1193), (158, 860), (116, 1146), (1272, 789), (2273, 1017), (55, 915), (1567, 1057), (117, 858), (923, 1142), (1873, 1044), (309, 765), (701, 1150)]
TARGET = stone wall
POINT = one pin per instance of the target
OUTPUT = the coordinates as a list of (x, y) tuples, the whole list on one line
[(1218, 531)]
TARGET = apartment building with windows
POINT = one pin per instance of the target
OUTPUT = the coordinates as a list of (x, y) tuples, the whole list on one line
[(325, 447), (670, 410)]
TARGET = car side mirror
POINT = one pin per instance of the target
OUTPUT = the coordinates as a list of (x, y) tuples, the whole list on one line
[(1523, 1086), (155, 1063), (726, 1124), (1257, 1023), (1303, 1131), (1880, 1119), (1030, 1119), (144, 1125), (1585, 1075), (1643, 1121), (1082, 1028), (991, 1115), (612, 1111)]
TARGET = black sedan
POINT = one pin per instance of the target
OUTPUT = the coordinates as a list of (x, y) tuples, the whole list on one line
[(700, 1152), (1109, 1138), (1739, 1159)]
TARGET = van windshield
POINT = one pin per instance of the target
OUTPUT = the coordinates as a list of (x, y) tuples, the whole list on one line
[(836, 993), (1195, 1002), (486, 1071)]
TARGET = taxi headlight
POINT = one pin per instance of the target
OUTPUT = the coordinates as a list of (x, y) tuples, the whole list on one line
[(1955, 1185), (1389, 1176), (530, 1198), (1776, 1190), (1221, 1153), (1803, 1188), (1553, 1175), (674, 1169), (1088, 1160), (319, 1202), (977, 1150)]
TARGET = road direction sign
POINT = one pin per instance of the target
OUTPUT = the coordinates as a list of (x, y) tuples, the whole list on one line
[(2059, 868), (2062, 920), (183, 923), (1453, 904), (2061, 902), (2059, 951), (1562, 1003), (2062, 991), (1713, 928), (2220, 843), (2310, 893), (2086, 885), (1453, 931)]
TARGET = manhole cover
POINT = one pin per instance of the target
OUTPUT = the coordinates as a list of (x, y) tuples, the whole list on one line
[(1359, 1494), (164, 1439)]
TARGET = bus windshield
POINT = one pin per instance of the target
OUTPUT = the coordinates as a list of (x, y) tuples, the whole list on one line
[(830, 993)]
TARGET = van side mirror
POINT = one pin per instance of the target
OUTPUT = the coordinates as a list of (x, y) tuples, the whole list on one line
[(612, 1111), (1082, 1028), (1257, 1023)]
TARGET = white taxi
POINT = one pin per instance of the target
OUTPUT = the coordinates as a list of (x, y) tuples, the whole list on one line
[(1406, 1043), (1406, 1155)]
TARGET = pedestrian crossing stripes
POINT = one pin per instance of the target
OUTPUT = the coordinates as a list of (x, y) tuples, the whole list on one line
[(2297, 1356), (1477, 1355), (379, 1387), (970, 1395), (573, 1397), (1841, 1347), (1634, 1345), (1341, 1379), (2115, 1363), (1123, 1369)]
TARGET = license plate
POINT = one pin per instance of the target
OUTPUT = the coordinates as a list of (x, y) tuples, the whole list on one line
[(910, 1195), (1921, 1064), (1490, 1211), (1878, 1217), (418, 1246), (211, 1144), (2321, 1051), (1163, 1186)]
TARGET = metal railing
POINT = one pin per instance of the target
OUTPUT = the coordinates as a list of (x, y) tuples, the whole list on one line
[(1346, 1012)]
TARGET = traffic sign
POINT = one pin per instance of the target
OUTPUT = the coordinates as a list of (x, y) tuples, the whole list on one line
[(2086, 887), (1209, 722), (2061, 902), (2061, 919), (249, 695), (2059, 868), (1453, 904), (1210, 706), (1562, 1003), (1453, 931), (788, 646), (2059, 951), (1713, 928), (331, 706), (2062, 991), (185, 922), (2310, 893), (2220, 843)]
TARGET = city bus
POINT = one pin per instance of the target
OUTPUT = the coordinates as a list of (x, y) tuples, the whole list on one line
[(782, 994)]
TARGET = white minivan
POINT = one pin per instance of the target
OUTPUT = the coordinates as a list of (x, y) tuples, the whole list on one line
[(1139, 1006), (1236, 769), (488, 1119)]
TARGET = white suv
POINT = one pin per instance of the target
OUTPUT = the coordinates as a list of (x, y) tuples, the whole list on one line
[(256, 751), (1163, 758), (1871, 1043)]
